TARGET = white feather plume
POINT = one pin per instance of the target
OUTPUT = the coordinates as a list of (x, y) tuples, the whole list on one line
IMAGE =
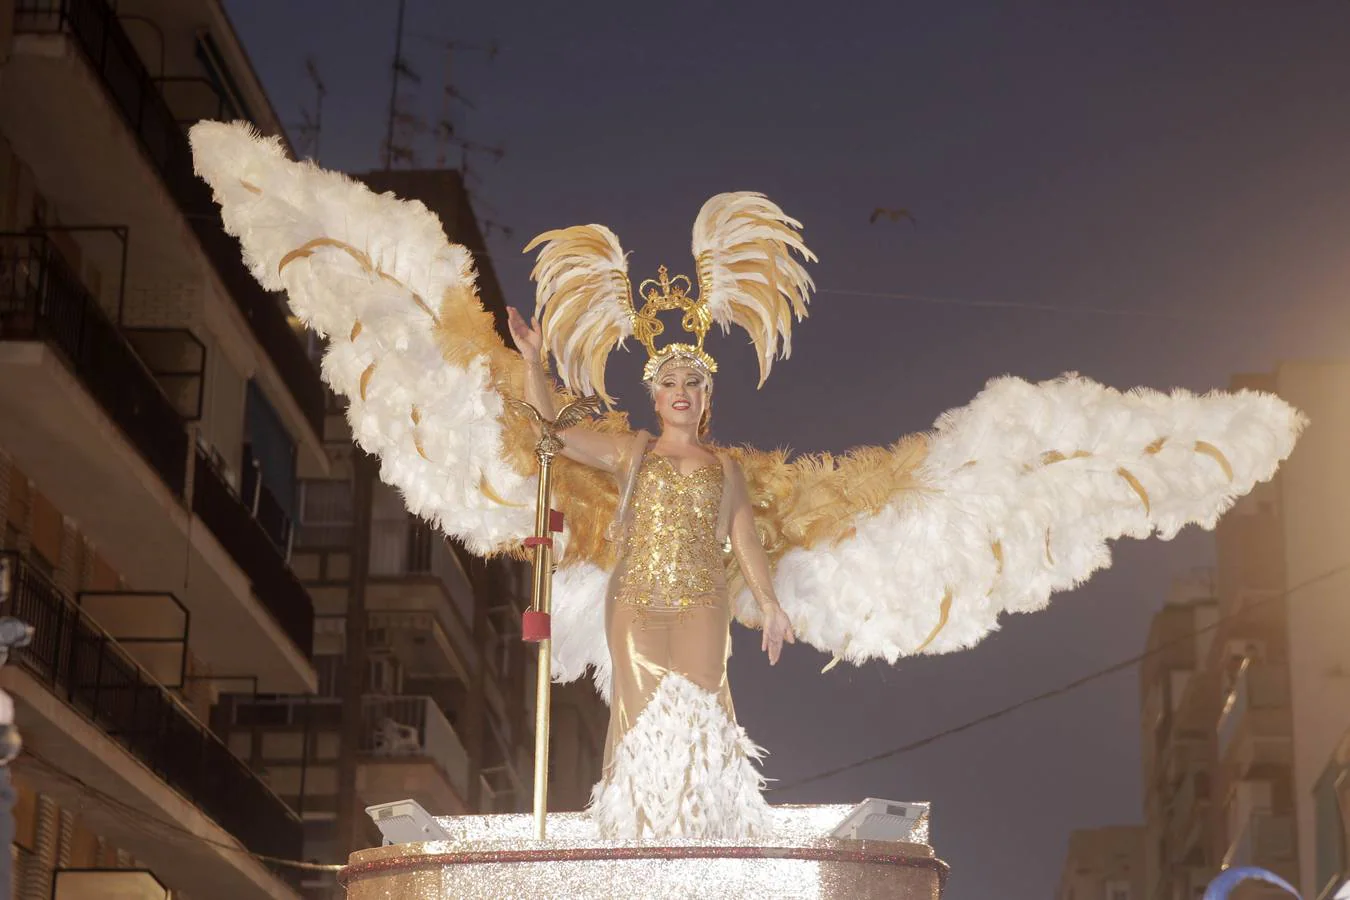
[(440, 458), (743, 244), (584, 302), (1019, 494), (685, 769)]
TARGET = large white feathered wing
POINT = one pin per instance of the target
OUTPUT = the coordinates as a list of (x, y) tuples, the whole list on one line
[(1015, 497), (410, 348)]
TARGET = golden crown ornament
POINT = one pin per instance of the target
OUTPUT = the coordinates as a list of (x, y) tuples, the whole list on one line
[(662, 294), (748, 276)]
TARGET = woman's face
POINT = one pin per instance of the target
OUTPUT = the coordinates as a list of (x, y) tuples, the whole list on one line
[(681, 394)]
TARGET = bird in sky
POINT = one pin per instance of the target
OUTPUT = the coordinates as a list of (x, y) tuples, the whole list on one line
[(895, 215)]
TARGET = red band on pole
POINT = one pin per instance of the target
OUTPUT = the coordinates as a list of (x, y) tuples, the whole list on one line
[(535, 626), (532, 542)]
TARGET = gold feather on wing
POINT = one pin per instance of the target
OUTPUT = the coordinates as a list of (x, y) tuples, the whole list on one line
[(814, 500), (747, 274), (584, 302), (586, 496)]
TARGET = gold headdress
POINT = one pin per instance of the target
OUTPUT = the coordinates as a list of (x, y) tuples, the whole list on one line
[(747, 276)]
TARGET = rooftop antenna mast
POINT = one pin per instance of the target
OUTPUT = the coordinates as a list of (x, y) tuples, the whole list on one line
[(312, 128), (445, 131), (446, 134), (400, 123)]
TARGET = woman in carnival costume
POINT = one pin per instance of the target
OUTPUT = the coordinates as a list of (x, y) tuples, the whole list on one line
[(882, 553)]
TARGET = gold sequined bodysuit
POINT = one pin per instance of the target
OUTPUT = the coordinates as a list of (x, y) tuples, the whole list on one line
[(671, 558), (668, 610)]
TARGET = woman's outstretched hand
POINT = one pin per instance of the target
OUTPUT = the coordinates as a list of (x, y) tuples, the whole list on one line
[(777, 629), (528, 338)]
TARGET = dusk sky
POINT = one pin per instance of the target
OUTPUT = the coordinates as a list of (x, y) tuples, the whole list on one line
[(1148, 193)]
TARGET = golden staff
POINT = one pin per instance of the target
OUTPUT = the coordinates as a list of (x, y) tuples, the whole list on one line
[(535, 624)]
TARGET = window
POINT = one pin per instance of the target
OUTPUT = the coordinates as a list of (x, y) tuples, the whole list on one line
[(218, 74), (331, 671), (271, 447), (325, 515)]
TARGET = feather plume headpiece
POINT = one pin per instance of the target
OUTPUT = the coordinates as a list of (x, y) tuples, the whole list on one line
[(747, 276)]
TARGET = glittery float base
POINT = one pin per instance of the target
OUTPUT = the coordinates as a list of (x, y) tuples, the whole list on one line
[(497, 857)]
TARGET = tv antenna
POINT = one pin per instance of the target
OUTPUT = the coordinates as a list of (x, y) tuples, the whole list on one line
[(312, 127), (446, 134), (402, 126)]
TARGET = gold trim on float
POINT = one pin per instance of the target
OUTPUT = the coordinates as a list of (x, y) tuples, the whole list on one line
[(356, 330), (250, 186)]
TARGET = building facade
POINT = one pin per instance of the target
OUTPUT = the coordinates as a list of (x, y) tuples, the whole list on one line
[(1247, 700), (176, 496), (155, 408), (1104, 864), (447, 696), (1178, 710)]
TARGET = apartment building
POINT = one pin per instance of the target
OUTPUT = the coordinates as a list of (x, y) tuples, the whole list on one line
[(155, 408), (1179, 706), (1104, 864), (447, 709), (176, 487), (1244, 725), (1331, 804)]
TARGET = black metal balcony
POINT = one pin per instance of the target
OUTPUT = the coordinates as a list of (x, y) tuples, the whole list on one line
[(88, 670), (42, 299), (248, 543), (95, 29)]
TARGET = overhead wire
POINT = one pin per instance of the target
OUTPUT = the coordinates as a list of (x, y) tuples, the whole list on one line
[(1073, 685)]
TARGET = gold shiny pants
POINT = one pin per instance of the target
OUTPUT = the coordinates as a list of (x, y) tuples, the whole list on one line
[(645, 643)]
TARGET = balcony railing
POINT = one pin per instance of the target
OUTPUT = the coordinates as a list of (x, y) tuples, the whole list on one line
[(95, 29), (392, 727), (274, 584), (42, 299), (87, 669), (414, 726), (1258, 687), (404, 546)]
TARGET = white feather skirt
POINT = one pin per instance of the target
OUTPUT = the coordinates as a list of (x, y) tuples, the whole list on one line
[(685, 769)]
